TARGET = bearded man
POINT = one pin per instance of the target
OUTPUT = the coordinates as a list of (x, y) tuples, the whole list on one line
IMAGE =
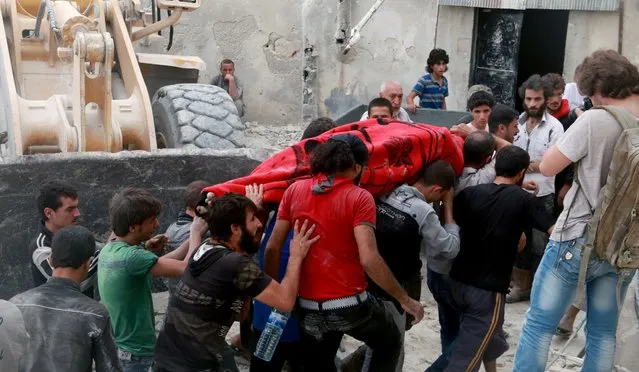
[(538, 131)]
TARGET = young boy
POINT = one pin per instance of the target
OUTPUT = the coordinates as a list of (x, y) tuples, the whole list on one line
[(432, 88), (125, 270)]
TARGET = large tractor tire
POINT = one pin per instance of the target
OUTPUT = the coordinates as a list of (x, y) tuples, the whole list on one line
[(196, 116)]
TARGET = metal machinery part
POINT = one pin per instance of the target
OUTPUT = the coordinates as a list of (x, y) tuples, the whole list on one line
[(59, 61)]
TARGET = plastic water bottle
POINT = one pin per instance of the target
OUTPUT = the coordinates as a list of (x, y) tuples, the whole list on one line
[(271, 335)]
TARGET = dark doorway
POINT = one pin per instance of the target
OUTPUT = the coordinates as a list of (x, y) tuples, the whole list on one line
[(542, 45), (511, 45)]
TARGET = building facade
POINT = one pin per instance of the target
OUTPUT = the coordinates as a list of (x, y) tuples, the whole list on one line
[(289, 53)]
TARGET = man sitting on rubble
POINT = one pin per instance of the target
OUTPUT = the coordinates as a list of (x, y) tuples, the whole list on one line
[(231, 84), (392, 91)]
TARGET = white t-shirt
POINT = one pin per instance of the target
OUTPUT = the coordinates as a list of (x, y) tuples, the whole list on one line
[(472, 127), (540, 139), (401, 115), (571, 93), (591, 142)]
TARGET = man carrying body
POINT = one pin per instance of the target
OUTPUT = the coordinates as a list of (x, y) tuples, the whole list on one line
[(68, 331), (126, 269), (491, 218), (220, 277), (179, 231), (231, 84), (379, 108), (406, 220), (609, 79), (432, 88), (392, 91), (538, 131), (502, 123), (332, 297), (289, 348)]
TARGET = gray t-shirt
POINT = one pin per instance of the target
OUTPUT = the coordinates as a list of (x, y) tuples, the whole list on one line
[(591, 142)]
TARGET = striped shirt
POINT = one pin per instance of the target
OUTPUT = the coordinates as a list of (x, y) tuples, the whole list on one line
[(431, 94)]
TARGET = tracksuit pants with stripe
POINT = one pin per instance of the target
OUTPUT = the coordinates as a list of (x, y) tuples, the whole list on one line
[(480, 338)]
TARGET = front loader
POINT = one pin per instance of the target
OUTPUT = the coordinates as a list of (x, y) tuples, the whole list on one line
[(77, 104)]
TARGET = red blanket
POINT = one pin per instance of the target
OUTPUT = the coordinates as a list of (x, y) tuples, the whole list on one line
[(398, 153)]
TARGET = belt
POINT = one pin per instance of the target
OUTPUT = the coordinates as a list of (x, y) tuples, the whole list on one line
[(338, 303)]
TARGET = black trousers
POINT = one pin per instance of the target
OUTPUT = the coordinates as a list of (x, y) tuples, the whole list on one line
[(369, 322), (480, 337)]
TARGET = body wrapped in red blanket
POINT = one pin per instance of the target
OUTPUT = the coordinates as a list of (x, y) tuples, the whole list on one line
[(398, 152)]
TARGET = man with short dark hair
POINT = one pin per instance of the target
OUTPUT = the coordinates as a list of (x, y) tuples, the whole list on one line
[(318, 126), (126, 268), (609, 79), (557, 105), (289, 349), (538, 131), (479, 148), (179, 231), (68, 331), (480, 105), (432, 88), (380, 108), (502, 122), (58, 207), (231, 84), (220, 277), (332, 297), (392, 91), (406, 220), (491, 218)]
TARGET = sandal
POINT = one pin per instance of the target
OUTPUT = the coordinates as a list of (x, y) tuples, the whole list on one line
[(563, 332)]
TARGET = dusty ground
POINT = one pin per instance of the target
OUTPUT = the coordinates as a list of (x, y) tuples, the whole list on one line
[(422, 341)]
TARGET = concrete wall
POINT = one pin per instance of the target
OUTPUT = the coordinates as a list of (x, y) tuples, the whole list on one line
[(97, 177), (455, 34), (588, 32), (394, 45), (288, 58), (630, 41), (262, 37)]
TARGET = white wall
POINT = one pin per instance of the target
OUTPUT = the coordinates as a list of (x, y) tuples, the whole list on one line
[(455, 34), (588, 32)]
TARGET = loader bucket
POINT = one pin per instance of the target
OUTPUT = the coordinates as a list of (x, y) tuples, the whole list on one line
[(97, 176)]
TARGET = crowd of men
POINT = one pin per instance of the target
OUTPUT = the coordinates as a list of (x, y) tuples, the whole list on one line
[(344, 262)]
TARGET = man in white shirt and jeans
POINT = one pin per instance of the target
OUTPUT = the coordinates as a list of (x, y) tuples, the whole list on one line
[(609, 79), (538, 131)]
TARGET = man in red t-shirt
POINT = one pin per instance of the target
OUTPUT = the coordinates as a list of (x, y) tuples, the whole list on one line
[(332, 295)]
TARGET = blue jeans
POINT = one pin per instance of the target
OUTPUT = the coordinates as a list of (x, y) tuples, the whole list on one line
[(553, 291)]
